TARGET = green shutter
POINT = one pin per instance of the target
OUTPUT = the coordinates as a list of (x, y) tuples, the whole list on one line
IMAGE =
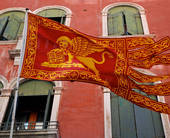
[(52, 13), (132, 121), (127, 119), (15, 24), (144, 123), (115, 116), (133, 20), (35, 87), (12, 28), (115, 25), (3, 22), (134, 24)]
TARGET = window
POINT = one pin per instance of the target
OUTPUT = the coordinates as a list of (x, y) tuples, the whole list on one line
[(124, 20), (11, 25), (132, 121), (54, 14), (33, 107), (129, 120)]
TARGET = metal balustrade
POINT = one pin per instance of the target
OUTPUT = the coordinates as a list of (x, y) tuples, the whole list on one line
[(30, 125)]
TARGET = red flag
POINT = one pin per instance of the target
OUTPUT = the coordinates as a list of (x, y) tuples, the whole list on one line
[(56, 52)]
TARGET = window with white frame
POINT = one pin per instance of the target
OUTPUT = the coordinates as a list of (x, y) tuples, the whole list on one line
[(55, 14), (34, 105), (124, 19), (11, 25)]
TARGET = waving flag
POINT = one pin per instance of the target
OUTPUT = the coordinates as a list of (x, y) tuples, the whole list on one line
[(56, 52)]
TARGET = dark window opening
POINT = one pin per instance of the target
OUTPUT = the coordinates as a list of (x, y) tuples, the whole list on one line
[(58, 19), (32, 112)]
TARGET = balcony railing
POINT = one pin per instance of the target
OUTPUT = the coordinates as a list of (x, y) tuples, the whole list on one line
[(30, 125)]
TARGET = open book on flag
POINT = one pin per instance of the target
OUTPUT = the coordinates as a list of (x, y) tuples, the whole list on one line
[(56, 52)]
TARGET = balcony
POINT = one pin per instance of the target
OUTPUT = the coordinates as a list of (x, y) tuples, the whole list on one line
[(48, 129)]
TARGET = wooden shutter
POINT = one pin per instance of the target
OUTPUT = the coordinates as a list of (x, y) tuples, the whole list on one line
[(132, 17), (15, 24), (134, 25), (12, 27), (132, 121), (3, 22), (115, 24), (35, 87)]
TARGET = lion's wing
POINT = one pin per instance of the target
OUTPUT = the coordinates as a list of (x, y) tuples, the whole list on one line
[(82, 47)]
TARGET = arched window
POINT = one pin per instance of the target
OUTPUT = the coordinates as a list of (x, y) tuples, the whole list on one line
[(11, 25), (58, 13), (34, 105), (124, 20), (54, 14)]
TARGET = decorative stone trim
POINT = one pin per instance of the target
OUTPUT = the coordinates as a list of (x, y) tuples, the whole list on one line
[(105, 90), (14, 53), (107, 113), (12, 83), (147, 35), (4, 81), (12, 9), (6, 92), (56, 101), (8, 42), (57, 90)]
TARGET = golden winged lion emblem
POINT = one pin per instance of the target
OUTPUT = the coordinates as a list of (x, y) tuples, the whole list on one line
[(78, 48)]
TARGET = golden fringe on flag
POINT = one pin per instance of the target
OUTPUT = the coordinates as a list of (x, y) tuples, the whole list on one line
[(57, 52)]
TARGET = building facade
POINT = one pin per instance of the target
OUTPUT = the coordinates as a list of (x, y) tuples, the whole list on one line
[(75, 109)]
